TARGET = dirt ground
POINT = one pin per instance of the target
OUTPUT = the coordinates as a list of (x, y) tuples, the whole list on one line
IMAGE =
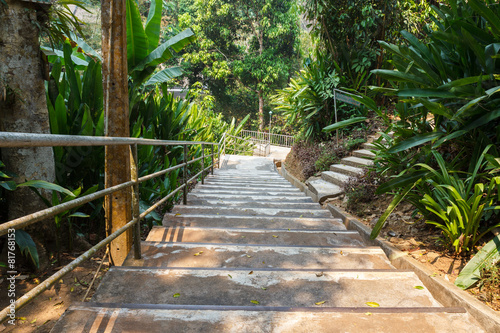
[(42, 314)]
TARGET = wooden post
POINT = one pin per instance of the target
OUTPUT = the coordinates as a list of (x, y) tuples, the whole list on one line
[(116, 122)]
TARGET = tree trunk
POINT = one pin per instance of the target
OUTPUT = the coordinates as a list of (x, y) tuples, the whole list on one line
[(23, 108), (261, 110)]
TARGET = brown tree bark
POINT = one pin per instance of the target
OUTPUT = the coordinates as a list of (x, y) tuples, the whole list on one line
[(23, 108), (260, 93), (116, 108)]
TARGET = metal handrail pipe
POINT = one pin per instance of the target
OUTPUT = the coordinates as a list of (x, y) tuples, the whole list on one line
[(52, 211), (26, 298), (156, 204), (159, 173), (195, 160), (14, 139)]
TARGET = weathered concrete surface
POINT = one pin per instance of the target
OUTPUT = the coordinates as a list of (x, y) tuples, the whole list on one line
[(235, 221), (251, 211), (297, 237), (270, 288), (363, 153), (323, 189), (218, 319), (357, 162), (335, 178), (347, 170)]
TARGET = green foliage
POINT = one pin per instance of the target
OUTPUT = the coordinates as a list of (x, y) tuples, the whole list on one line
[(360, 190), (349, 31), (330, 154), (459, 206), (27, 246), (487, 257), (242, 46), (448, 86), (144, 54)]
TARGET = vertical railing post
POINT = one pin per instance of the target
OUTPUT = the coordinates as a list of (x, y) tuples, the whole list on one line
[(134, 175), (212, 167), (202, 163), (184, 195)]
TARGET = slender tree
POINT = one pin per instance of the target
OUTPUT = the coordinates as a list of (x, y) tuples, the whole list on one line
[(253, 42)]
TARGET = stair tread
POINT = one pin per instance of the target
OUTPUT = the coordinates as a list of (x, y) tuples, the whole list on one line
[(252, 211), (239, 221), (147, 318), (270, 288), (163, 254), (298, 237)]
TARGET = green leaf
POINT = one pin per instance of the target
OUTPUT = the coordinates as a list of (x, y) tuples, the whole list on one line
[(471, 273), (46, 186), (254, 302), (8, 185), (419, 287), (137, 40), (164, 75), (417, 140), (162, 53), (397, 199), (344, 123), (27, 246), (176, 295), (84, 46), (153, 24)]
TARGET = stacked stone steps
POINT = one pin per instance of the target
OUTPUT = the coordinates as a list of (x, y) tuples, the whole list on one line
[(331, 183), (247, 264)]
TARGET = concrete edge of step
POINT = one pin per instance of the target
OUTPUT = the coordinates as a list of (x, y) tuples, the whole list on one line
[(297, 183), (444, 291)]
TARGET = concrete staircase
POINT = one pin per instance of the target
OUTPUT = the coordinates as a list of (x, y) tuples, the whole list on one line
[(331, 183), (250, 253)]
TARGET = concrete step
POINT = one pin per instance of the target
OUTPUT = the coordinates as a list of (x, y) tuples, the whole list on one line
[(323, 189), (284, 288), (258, 256), (357, 162), (335, 178), (369, 146), (280, 198), (272, 183), (253, 204), (91, 317), (251, 211), (347, 170), (246, 186), (255, 191), (298, 237), (363, 153), (254, 222)]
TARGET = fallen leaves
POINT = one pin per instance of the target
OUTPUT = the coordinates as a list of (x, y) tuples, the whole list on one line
[(176, 295), (419, 287), (373, 304), (254, 301), (319, 303), (198, 253)]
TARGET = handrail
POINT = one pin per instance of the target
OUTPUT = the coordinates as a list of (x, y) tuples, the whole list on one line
[(14, 139), (274, 139)]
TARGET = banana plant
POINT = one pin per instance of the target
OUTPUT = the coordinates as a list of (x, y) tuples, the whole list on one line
[(144, 53)]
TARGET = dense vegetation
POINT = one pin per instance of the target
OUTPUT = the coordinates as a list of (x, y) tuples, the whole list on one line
[(429, 73)]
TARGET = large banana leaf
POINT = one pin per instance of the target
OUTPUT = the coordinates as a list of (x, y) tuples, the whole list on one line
[(153, 24), (137, 40), (162, 53), (164, 75)]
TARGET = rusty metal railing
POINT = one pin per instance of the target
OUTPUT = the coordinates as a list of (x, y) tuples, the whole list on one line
[(10, 139)]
